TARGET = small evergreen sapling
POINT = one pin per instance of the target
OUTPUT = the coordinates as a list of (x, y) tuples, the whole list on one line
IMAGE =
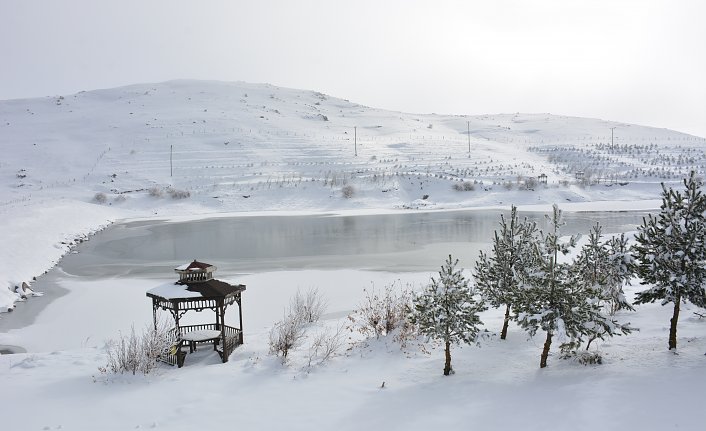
[(544, 297), (498, 275), (446, 310), (671, 251), (606, 267), (621, 268)]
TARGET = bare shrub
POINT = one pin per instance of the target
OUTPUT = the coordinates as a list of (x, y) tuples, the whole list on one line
[(179, 194), (381, 313), (325, 345), (309, 306), (286, 335), (348, 191), (119, 199), (530, 183), (135, 353), (155, 192), (100, 197), (465, 186)]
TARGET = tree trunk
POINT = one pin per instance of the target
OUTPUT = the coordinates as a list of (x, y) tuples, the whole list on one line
[(447, 365), (503, 334), (545, 351), (673, 326)]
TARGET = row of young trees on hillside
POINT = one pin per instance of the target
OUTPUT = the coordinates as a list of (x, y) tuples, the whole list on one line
[(541, 288)]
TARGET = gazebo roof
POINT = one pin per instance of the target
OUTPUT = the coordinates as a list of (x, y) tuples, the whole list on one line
[(210, 289), (195, 266)]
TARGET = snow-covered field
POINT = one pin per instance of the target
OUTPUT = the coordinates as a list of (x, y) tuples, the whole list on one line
[(73, 164)]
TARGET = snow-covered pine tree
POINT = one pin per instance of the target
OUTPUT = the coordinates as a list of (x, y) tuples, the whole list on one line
[(605, 267), (540, 300), (552, 298), (671, 252), (621, 268), (600, 270), (498, 275), (592, 261), (447, 311)]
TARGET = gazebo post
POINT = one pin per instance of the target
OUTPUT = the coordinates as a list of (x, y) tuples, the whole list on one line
[(154, 313), (240, 315), (223, 331), (175, 306), (218, 317), (179, 355)]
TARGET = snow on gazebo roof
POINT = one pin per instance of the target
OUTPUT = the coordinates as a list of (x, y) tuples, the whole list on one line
[(196, 266), (205, 289), (173, 290)]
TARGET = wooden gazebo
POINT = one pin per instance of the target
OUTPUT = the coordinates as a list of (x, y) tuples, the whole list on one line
[(197, 290)]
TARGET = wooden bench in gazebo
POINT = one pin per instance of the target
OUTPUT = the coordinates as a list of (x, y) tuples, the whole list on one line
[(196, 290)]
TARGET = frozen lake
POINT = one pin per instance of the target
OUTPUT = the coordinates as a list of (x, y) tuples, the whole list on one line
[(273, 255), (392, 242)]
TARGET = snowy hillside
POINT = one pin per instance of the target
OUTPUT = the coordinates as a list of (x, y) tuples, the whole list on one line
[(236, 139), (73, 163)]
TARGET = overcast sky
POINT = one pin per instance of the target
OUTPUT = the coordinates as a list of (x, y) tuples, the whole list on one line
[(642, 62)]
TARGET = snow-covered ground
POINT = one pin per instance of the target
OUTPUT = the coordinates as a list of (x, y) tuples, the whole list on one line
[(74, 164), (499, 386)]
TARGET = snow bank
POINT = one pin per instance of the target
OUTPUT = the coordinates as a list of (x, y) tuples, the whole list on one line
[(35, 237)]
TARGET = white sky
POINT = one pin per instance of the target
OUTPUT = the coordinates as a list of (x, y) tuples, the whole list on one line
[(635, 61)]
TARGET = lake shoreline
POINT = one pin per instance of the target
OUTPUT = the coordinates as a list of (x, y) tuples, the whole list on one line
[(403, 252)]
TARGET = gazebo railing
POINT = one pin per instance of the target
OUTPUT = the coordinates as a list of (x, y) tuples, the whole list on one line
[(234, 338), (176, 355)]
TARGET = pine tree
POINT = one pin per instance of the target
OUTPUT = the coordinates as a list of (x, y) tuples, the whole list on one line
[(606, 267), (621, 268), (600, 270), (498, 276), (671, 252), (555, 299), (447, 311)]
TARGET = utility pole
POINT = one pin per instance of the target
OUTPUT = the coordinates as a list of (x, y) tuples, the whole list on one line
[(355, 139), (468, 124), (611, 138), (171, 168)]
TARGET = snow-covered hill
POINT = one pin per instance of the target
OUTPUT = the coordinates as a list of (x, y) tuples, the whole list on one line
[(73, 163)]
